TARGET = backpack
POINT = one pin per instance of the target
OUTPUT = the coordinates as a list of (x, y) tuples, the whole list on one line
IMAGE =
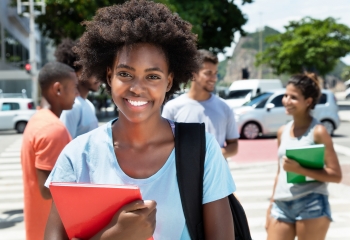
[(190, 149)]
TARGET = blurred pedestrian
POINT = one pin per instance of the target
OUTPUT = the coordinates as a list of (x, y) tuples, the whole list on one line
[(201, 105), (43, 140), (302, 210), (82, 117), (147, 52)]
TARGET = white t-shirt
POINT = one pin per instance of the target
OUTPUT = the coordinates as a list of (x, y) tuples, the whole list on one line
[(90, 158), (81, 118), (219, 119)]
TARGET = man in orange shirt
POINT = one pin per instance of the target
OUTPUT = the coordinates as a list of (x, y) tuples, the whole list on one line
[(44, 138)]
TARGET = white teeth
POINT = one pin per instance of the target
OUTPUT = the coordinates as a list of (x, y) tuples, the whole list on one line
[(137, 103)]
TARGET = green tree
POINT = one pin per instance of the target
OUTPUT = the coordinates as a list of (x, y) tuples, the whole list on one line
[(215, 21), (345, 75), (307, 45)]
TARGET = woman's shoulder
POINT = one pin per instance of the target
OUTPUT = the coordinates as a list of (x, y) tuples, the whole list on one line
[(95, 137)]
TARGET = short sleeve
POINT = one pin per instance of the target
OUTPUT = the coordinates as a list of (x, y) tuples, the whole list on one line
[(48, 144), (70, 119), (231, 128), (218, 182), (63, 170), (167, 112)]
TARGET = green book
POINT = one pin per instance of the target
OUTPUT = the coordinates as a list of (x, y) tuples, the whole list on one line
[(311, 156)]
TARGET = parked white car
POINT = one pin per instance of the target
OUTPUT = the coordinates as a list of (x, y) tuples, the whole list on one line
[(242, 91), (15, 113), (265, 114)]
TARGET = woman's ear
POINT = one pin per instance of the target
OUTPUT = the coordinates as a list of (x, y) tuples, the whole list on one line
[(309, 101), (109, 76), (170, 81), (194, 76)]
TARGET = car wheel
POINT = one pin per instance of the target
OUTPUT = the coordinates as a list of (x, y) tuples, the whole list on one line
[(20, 126), (251, 130), (329, 126)]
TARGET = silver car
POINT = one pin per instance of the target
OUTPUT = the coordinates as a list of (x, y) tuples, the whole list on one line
[(265, 114)]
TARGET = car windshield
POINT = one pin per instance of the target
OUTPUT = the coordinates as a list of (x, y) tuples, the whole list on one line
[(257, 99), (238, 93)]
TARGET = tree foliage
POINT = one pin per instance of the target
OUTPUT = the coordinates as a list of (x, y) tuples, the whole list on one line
[(345, 75), (215, 21), (307, 45)]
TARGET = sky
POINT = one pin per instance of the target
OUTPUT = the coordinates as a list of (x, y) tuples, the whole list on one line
[(277, 13)]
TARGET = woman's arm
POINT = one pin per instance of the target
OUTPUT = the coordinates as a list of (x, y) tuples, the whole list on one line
[(134, 221), (279, 134), (218, 221), (331, 172), (54, 227)]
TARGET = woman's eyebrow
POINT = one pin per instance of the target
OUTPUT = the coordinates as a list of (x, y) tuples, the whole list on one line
[(154, 69), (125, 66)]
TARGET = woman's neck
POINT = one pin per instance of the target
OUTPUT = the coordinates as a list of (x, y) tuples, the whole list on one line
[(302, 121), (138, 135)]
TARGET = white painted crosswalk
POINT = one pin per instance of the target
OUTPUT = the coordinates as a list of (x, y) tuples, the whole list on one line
[(11, 193), (254, 188)]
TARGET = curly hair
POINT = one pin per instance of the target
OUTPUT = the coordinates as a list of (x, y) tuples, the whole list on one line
[(309, 86), (64, 53), (134, 22)]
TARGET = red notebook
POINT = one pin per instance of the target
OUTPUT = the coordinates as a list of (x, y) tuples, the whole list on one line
[(87, 208)]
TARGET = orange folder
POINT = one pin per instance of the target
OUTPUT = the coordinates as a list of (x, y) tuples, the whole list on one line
[(87, 208)]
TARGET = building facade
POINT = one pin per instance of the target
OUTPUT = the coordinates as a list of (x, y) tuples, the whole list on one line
[(14, 50)]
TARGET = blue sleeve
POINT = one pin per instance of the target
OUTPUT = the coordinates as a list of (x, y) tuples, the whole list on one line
[(167, 112), (231, 128), (71, 119), (63, 170), (218, 182)]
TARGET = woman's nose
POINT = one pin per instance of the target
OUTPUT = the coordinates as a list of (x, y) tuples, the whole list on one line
[(137, 86)]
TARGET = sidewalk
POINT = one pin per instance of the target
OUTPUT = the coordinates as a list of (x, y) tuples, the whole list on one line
[(344, 115)]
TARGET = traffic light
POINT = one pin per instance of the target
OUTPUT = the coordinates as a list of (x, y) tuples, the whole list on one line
[(28, 67)]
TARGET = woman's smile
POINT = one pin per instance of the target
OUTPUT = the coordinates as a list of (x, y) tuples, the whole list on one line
[(136, 104)]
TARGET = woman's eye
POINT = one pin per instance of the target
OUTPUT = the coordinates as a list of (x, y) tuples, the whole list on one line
[(154, 77), (124, 74)]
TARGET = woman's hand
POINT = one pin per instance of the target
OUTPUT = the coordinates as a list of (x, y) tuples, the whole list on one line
[(290, 165), (134, 221)]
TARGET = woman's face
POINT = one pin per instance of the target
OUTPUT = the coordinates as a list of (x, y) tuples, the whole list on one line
[(295, 102), (139, 81)]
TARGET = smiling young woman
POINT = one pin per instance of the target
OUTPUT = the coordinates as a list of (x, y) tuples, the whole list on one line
[(143, 53), (302, 210)]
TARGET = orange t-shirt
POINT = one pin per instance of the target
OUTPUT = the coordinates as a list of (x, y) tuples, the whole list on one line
[(44, 138)]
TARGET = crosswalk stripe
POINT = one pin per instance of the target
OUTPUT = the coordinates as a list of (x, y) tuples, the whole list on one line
[(13, 173), (10, 154), (249, 177), (9, 181), (7, 167), (248, 206)]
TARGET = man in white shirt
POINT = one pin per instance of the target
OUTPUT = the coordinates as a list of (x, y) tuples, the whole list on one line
[(81, 118), (200, 105)]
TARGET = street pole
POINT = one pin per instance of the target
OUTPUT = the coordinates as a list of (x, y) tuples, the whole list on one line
[(32, 52), (32, 41), (260, 47)]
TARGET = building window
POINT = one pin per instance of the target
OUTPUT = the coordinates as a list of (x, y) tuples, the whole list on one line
[(15, 53)]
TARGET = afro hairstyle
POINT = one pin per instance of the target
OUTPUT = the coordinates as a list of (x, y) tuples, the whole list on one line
[(64, 53), (137, 21)]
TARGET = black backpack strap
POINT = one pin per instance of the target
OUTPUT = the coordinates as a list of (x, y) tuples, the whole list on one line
[(190, 151)]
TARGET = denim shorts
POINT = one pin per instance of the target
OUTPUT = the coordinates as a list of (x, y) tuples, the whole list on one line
[(313, 205)]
